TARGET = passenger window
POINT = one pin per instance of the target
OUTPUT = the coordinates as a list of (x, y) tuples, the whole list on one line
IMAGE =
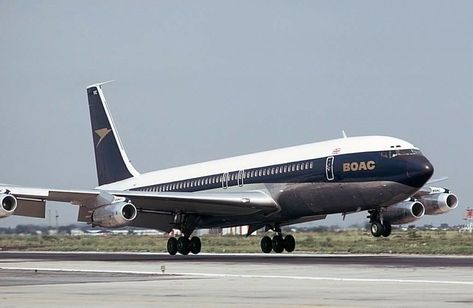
[(311, 165)]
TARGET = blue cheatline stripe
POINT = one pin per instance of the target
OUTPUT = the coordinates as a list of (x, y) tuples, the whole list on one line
[(383, 168)]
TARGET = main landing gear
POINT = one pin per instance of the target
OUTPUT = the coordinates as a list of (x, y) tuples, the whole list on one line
[(378, 226), (278, 243), (184, 245)]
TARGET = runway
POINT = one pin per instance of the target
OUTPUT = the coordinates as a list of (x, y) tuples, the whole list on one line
[(340, 259), (215, 280)]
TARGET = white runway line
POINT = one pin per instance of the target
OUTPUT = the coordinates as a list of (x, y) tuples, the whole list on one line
[(216, 275)]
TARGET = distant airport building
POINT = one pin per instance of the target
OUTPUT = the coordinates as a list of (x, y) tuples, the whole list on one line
[(469, 219), (240, 230)]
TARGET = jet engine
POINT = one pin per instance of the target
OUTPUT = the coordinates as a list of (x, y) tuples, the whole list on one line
[(404, 212), (115, 215), (439, 203), (8, 205)]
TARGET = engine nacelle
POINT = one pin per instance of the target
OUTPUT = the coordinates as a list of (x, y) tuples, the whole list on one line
[(115, 215), (404, 212), (439, 203), (8, 205)]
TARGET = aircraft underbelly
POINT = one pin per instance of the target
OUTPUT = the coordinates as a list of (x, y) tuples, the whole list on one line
[(329, 198)]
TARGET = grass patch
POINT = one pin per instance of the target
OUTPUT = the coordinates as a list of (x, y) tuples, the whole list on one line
[(409, 242)]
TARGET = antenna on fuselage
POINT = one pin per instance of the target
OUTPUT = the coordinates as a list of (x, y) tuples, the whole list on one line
[(344, 134)]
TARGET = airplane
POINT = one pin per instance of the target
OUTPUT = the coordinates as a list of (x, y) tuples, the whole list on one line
[(384, 176)]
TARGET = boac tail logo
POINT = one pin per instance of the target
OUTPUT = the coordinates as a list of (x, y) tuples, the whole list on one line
[(102, 133)]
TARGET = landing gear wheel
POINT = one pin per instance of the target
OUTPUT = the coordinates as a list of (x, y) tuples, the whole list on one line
[(376, 229), (183, 245), (195, 245), (289, 243), (387, 229), (172, 246), (278, 244), (266, 244)]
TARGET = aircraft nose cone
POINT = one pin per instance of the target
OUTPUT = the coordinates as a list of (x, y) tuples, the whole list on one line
[(419, 171)]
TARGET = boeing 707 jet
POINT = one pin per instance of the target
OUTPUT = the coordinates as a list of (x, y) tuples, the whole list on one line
[(384, 176)]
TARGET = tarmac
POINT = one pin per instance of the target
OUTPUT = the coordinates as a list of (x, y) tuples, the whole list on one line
[(51, 279)]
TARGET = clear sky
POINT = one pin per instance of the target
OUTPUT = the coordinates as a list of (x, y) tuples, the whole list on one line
[(200, 80)]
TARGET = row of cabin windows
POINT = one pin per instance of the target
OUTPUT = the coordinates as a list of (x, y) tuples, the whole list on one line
[(217, 179)]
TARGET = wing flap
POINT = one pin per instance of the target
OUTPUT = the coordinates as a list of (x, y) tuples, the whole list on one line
[(31, 208)]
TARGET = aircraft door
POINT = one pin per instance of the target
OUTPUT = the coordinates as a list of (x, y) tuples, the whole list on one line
[(241, 177), (225, 178), (329, 168)]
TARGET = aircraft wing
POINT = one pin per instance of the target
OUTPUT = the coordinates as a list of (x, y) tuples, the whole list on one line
[(31, 201)]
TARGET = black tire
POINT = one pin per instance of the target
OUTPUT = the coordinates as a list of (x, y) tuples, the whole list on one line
[(195, 245), (376, 229), (266, 244), (172, 246), (278, 244), (289, 243), (387, 229), (183, 245)]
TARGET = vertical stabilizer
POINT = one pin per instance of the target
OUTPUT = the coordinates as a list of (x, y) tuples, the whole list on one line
[(110, 158)]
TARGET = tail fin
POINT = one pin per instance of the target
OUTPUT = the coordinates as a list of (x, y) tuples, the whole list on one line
[(110, 157)]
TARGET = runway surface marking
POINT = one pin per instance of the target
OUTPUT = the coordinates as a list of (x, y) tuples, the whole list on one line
[(216, 275)]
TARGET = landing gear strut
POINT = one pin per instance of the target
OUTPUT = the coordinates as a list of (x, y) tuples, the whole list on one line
[(378, 226), (278, 243)]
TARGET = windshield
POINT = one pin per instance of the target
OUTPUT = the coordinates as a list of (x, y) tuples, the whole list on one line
[(394, 153)]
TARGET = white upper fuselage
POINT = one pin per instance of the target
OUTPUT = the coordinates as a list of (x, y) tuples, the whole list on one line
[(279, 156)]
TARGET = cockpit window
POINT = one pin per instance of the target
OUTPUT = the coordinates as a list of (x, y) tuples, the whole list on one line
[(394, 153)]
